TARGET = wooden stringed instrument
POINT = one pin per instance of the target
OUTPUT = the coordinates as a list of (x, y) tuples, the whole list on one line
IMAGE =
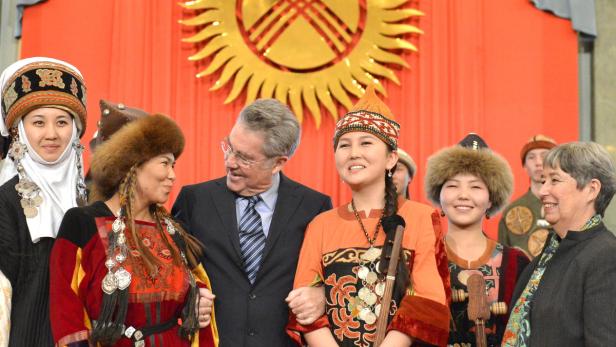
[(390, 279), (478, 308)]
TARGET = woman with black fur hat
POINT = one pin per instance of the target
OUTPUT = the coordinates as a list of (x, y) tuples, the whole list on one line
[(343, 247), (123, 272), (471, 183)]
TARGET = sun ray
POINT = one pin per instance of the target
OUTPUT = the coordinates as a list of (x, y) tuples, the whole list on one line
[(256, 51), (202, 4)]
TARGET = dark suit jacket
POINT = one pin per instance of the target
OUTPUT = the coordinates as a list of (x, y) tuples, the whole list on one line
[(246, 315), (575, 303)]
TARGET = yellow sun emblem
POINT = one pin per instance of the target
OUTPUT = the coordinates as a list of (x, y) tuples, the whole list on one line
[(303, 51)]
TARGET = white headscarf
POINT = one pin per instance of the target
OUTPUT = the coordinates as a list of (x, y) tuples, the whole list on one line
[(56, 180)]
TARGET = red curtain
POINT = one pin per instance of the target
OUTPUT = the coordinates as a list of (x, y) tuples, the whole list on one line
[(502, 69)]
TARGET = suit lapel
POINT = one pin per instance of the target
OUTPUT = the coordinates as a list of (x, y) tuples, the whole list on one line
[(286, 204), (224, 200)]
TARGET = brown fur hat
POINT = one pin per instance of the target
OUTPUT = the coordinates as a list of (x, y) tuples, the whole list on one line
[(481, 162), (133, 144)]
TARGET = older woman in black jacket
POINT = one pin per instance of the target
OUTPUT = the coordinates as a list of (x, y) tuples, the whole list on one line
[(571, 285)]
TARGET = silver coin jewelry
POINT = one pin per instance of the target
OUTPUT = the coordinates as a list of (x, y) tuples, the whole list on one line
[(366, 305)]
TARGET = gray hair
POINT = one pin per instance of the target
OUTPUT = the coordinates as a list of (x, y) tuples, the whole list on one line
[(278, 124), (585, 161)]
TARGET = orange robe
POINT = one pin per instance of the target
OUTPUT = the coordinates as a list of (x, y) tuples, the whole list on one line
[(330, 257)]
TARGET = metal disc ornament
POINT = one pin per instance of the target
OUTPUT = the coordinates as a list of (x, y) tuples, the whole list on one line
[(123, 278), (363, 272), (371, 277), (109, 284)]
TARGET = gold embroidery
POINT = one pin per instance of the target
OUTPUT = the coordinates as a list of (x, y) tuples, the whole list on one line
[(10, 96), (50, 77), (350, 255), (74, 88), (519, 220), (83, 95), (25, 84)]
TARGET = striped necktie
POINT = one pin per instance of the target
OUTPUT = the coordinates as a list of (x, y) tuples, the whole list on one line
[(252, 238)]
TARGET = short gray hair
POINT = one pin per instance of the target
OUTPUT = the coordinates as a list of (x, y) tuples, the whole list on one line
[(585, 161), (278, 124)]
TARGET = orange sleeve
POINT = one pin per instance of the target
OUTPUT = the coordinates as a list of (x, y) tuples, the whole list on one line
[(309, 274), (424, 314)]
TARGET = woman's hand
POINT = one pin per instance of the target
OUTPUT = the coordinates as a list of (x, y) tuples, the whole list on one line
[(307, 304), (205, 301), (396, 338)]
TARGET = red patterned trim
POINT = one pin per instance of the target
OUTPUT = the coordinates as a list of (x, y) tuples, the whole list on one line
[(296, 331), (82, 335), (442, 263), (423, 319)]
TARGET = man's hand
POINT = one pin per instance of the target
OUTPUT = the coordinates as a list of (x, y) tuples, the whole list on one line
[(307, 304), (204, 308)]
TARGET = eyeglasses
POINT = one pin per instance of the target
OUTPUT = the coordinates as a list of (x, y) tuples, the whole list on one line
[(242, 161)]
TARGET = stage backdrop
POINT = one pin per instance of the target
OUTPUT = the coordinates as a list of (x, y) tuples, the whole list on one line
[(502, 69)]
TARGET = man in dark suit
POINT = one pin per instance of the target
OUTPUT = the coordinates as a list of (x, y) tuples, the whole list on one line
[(252, 224)]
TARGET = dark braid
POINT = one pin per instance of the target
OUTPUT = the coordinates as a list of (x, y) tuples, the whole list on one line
[(390, 209), (391, 194)]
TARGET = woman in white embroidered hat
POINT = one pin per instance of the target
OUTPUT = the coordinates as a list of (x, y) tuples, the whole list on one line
[(44, 115)]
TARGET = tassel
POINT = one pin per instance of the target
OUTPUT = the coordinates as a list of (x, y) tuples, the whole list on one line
[(190, 322), (100, 330), (118, 323)]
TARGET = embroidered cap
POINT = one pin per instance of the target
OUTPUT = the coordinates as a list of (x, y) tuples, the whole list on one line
[(537, 141), (370, 115), (42, 82)]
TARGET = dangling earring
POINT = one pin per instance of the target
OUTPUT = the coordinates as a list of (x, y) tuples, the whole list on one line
[(389, 173), (487, 215), (442, 213)]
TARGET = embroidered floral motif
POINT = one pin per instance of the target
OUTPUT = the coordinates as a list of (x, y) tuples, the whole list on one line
[(10, 96), (74, 88), (344, 322), (50, 77), (26, 85), (340, 289)]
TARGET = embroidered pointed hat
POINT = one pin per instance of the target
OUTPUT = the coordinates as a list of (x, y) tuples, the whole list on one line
[(370, 114)]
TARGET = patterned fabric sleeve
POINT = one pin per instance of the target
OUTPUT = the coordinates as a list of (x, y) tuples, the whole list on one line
[(424, 314), (69, 320), (5, 310), (309, 273)]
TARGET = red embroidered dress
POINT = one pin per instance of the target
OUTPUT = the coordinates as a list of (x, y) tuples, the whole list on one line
[(77, 269), (330, 254)]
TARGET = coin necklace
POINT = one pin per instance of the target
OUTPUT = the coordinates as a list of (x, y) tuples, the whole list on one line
[(366, 305)]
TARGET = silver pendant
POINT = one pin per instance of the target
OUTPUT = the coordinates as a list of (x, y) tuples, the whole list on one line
[(370, 318), (117, 226), (120, 257), (123, 277), (109, 284), (362, 272), (370, 299), (371, 277), (121, 239), (363, 293), (371, 254), (109, 263), (379, 288)]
